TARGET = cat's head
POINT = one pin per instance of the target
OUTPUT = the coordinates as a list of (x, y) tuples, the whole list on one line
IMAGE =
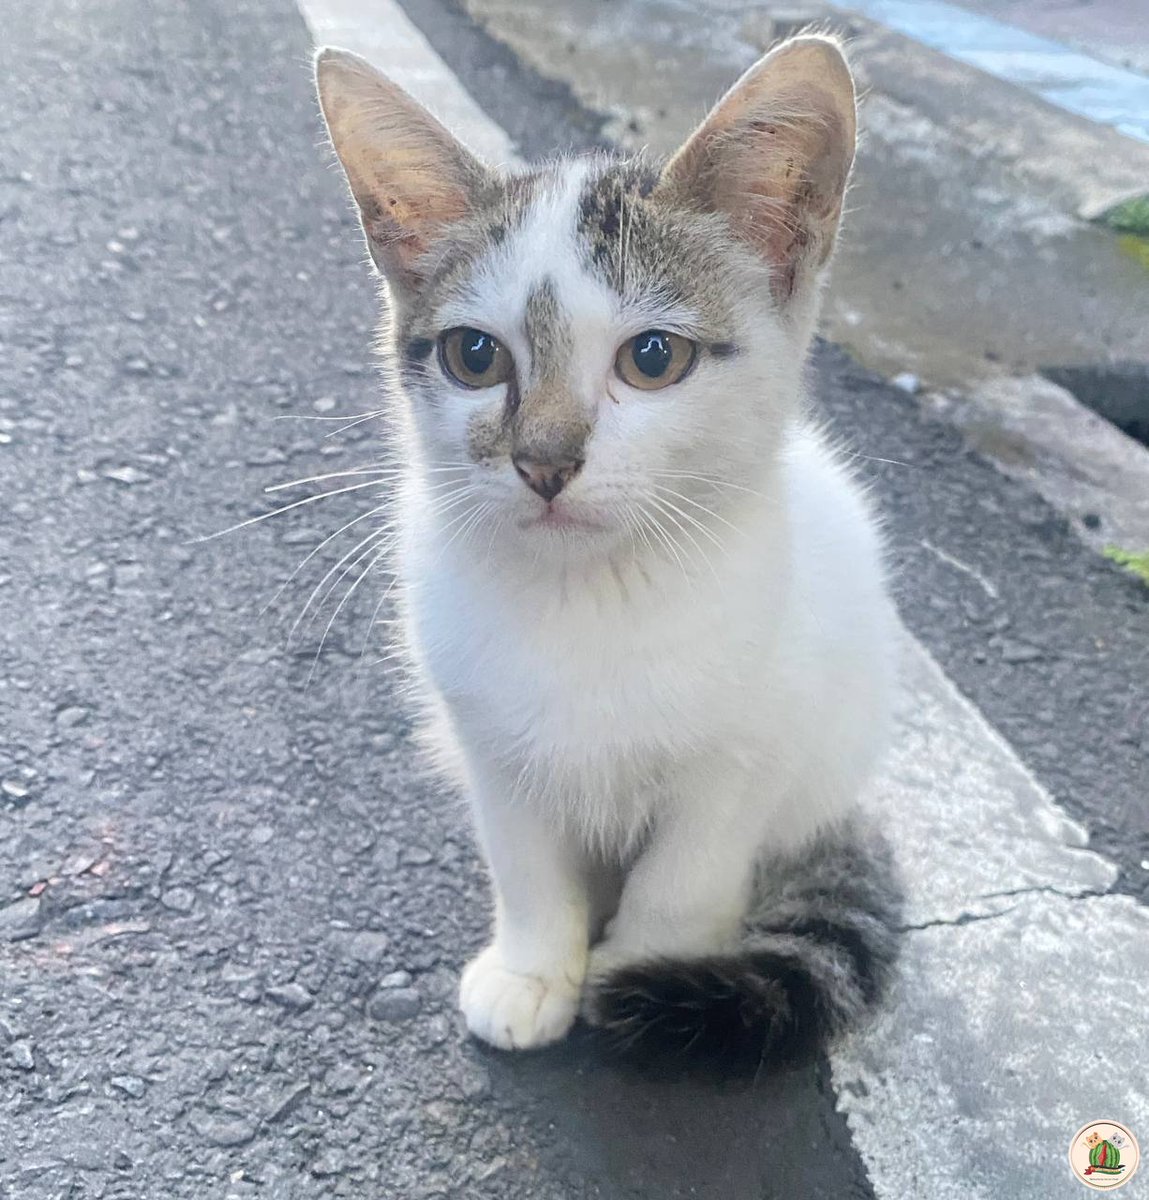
[(602, 348)]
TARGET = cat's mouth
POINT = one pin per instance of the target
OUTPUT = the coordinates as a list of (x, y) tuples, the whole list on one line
[(561, 517)]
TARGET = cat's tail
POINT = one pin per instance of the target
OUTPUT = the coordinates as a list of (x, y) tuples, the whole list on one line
[(818, 951)]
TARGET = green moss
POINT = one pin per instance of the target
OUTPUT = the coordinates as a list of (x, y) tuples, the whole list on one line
[(1137, 563), (1130, 217)]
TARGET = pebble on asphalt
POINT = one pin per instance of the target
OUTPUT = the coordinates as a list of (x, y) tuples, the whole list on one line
[(130, 1085), (292, 996), (368, 946), (221, 1132), (20, 1056), (395, 1004), (20, 920)]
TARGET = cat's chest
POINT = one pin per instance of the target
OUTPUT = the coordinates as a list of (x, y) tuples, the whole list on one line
[(578, 682)]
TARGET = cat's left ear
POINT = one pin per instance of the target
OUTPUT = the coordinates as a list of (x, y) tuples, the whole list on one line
[(408, 174), (774, 156)]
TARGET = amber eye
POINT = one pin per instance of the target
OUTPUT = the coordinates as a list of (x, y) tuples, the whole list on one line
[(474, 358), (654, 359)]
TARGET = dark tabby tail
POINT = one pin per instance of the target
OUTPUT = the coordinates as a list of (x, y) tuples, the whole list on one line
[(818, 950)]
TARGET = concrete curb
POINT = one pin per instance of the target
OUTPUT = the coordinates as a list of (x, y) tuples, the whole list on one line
[(1085, 467)]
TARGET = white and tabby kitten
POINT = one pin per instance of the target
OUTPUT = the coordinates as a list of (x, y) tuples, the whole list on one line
[(644, 600)]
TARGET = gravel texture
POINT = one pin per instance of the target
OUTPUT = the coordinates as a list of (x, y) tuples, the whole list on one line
[(232, 910)]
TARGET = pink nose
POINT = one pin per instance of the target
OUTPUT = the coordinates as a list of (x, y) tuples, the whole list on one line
[(546, 479)]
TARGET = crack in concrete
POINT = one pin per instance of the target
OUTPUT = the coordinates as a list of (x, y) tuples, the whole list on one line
[(965, 918), (970, 918)]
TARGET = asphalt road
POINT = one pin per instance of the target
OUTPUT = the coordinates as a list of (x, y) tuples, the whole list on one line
[(233, 910)]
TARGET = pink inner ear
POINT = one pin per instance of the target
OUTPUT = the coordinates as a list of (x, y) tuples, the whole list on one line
[(774, 157)]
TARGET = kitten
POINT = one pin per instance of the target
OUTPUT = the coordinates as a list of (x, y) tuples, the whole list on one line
[(644, 600)]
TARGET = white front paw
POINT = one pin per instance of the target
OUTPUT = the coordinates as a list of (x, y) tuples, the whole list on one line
[(514, 1011)]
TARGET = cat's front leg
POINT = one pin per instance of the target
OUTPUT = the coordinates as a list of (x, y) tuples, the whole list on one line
[(687, 893), (523, 989)]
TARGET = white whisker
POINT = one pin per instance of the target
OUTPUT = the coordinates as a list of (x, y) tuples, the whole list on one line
[(339, 608), (367, 541), (666, 507), (661, 487), (712, 480), (279, 487), (354, 487), (326, 541)]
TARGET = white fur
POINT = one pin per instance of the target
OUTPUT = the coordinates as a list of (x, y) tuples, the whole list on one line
[(645, 712)]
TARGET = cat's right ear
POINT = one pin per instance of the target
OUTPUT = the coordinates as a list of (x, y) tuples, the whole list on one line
[(408, 174)]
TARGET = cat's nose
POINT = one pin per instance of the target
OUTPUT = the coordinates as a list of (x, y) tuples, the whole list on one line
[(547, 479)]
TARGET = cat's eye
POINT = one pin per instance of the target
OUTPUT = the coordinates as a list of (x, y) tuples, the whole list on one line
[(654, 359), (474, 358)]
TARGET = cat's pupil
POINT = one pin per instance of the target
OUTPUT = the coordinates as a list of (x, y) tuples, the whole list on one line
[(477, 351), (652, 353)]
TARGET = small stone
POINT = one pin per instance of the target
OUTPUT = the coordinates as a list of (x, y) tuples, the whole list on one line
[(270, 457), (288, 1102), (21, 1057), (130, 1085), (369, 947), (20, 920), (417, 856), (396, 979), (324, 404), (77, 864), (222, 1132), (216, 1067), (137, 366), (438, 1030), (330, 1162), (125, 475), (907, 381), (1091, 520), (341, 1079), (178, 899), (121, 1161), (397, 1004), (87, 1158), (1018, 652), (14, 788), (292, 996), (71, 716), (475, 1082)]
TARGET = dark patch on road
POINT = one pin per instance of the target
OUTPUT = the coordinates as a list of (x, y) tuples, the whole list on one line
[(1117, 391)]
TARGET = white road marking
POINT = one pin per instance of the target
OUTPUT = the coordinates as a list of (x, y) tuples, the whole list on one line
[(381, 32), (1020, 1014), (1057, 73)]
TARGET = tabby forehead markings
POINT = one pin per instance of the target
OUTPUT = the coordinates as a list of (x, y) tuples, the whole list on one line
[(548, 331), (642, 243)]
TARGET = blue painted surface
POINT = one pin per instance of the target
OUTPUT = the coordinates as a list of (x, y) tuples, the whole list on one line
[(1062, 76)]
